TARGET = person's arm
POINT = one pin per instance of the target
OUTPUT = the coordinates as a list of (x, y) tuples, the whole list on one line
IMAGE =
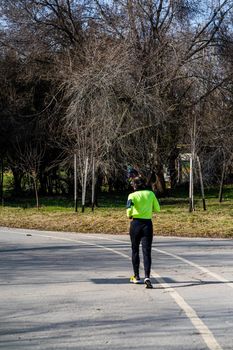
[(156, 206), (129, 207)]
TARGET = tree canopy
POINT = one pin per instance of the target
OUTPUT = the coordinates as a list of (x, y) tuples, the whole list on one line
[(121, 82)]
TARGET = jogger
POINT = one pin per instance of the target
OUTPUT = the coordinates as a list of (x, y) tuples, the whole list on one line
[(140, 206)]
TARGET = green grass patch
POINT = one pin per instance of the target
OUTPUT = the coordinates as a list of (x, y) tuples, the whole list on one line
[(58, 214)]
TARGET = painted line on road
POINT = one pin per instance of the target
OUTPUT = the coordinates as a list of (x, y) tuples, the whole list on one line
[(202, 329), (199, 267)]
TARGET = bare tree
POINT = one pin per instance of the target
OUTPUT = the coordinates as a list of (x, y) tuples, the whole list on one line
[(124, 78), (29, 158)]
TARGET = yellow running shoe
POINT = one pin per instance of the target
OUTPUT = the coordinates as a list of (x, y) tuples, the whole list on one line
[(135, 279)]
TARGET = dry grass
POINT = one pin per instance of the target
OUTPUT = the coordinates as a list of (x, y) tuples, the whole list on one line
[(173, 220)]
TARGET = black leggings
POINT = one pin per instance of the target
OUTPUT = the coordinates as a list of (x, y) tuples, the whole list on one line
[(141, 230)]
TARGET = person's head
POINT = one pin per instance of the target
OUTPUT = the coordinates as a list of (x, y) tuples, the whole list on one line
[(138, 183)]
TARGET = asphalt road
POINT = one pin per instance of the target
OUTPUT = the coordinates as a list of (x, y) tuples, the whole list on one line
[(72, 291)]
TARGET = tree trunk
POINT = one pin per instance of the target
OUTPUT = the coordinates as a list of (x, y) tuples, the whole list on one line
[(172, 168), (192, 160), (222, 182), (75, 184), (17, 182), (201, 182), (160, 184), (99, 182), (34, 179), (93, 185), (191, 194), (84, 184)]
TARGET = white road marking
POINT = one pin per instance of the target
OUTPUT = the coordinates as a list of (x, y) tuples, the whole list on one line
[(202, 329), (201, 268)]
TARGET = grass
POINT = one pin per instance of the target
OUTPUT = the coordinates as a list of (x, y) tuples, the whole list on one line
[(174, 218), (215, 222)]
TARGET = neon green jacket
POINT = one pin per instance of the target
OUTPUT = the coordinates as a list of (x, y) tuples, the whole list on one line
[(141, 204)]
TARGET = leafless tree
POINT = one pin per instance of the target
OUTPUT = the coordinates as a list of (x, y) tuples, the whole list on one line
[(29, 158), (127, 77)]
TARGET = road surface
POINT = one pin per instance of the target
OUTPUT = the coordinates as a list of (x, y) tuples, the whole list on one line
[(71, 291)]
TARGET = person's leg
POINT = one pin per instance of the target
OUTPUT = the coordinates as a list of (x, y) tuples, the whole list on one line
[(135, 237), (147, 238)]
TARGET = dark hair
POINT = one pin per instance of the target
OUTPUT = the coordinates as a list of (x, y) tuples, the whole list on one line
[(138, 183)]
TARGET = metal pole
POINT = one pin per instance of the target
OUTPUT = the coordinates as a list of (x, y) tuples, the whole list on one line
[(75, 183)]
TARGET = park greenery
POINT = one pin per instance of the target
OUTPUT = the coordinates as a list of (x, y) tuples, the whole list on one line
[(91, 87), (57, 213)]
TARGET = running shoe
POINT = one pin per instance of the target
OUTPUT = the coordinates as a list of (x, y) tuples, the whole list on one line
[(135, 279), (148, 283)]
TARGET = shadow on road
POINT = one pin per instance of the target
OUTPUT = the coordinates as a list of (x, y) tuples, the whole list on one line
[(158, 283)]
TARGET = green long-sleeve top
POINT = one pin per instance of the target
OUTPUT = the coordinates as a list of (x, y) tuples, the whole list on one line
[(141, 204)]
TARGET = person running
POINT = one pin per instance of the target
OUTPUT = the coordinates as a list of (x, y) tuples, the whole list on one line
[(140, 206)]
